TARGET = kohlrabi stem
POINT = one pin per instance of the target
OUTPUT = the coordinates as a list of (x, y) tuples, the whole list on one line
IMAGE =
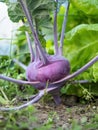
[(17, 81), (64, 28), (29, 18), (90, 63), (79, 81), (55, 29), (32, 56), (37, 56), (29, 98), (20, 64), (39, 95), (37, 98)]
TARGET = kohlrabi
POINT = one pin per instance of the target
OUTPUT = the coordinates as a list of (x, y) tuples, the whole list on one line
[(47, 73)]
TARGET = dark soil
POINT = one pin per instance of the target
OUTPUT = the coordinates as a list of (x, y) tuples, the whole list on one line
[(70, 115), (69, 111)]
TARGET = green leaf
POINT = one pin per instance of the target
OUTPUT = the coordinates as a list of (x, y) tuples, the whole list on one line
[(15, 12), (38, 8), (87, 6), (81, 45)]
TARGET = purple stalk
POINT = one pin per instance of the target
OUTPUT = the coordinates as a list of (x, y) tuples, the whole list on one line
[(29, 18), (32, 56), (17, 81), (90, 63), (57, 99), (37, 98), (29, 98), (55, 30), (80, 82), (56, 95), (63, 28), (24, 105), (37, 56)]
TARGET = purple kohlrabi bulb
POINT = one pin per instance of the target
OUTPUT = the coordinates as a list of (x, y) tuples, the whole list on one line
[(57, 68)]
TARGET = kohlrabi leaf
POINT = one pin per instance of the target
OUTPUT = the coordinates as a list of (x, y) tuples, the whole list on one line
[(40, 5), (15, 12), (81, 45), (38, 8), (87, 6), (75, 17)]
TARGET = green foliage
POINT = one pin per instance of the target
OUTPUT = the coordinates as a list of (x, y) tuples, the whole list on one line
[(10, 91), (84, 125), (80, 43), (80, 46), (15, 12), (39, 9), (87, 6)]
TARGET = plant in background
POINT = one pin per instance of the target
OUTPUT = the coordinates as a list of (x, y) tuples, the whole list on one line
[(47, 73)]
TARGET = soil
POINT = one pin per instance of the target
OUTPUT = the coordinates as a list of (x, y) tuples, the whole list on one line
[(63, 115)]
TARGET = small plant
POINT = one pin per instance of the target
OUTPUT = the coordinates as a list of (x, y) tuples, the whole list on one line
[(47, 73)]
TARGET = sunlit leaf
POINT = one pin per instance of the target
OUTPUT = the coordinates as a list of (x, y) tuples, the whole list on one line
[(87, 6), (81, 45)]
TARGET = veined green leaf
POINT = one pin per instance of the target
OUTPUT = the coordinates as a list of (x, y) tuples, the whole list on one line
[(38, 8), (87, 6), (15, 12), (81, 45)]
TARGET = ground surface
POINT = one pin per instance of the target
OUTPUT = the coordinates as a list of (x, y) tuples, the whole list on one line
[(70, 115), (75, 117)]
